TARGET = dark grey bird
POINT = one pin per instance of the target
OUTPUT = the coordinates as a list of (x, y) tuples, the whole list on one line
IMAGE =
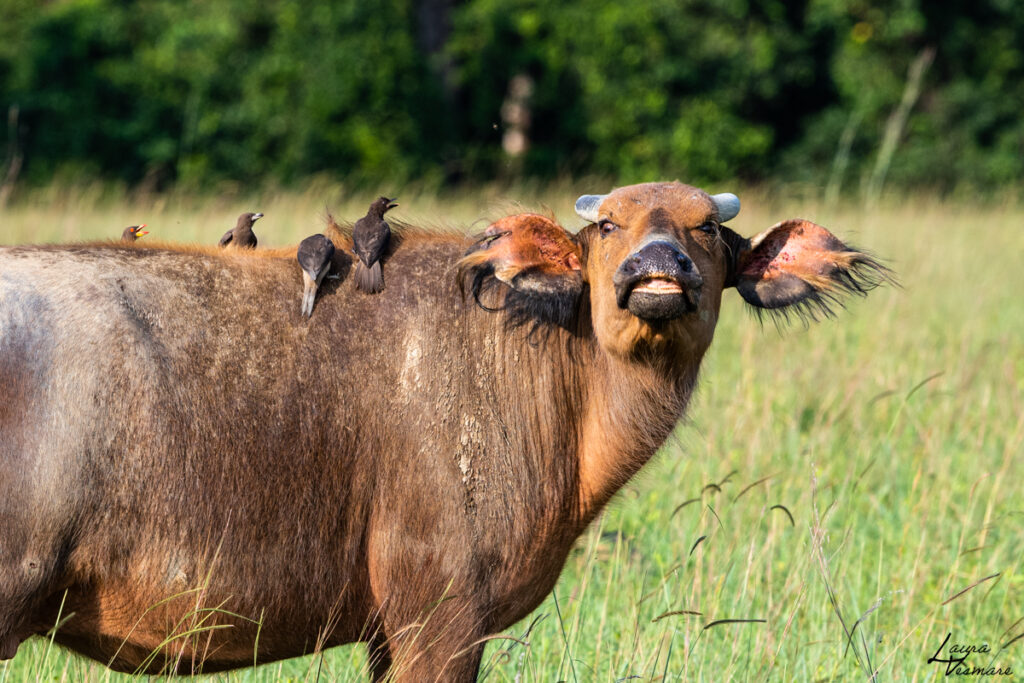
[(242, 235), (369, 240), (315, 255), (133, 232)]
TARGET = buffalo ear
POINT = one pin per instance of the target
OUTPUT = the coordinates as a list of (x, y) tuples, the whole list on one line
[(801, 267), (530, 253)]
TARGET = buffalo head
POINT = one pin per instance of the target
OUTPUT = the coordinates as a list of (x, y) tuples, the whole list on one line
[(654, 260)]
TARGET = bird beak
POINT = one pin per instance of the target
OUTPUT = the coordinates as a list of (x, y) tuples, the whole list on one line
[(392, 204), (140, 232), (257, 216)]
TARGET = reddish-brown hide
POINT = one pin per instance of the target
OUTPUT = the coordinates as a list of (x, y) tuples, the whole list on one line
[(187, 464)]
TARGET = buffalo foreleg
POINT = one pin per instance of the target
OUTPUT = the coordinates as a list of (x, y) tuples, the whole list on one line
[(442, 645), (378, 657)]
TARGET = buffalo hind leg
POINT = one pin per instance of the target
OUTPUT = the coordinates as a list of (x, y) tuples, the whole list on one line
[(34, 548), (29, 603)]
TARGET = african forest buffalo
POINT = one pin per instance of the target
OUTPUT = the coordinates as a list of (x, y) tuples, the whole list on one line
[(194, 477)]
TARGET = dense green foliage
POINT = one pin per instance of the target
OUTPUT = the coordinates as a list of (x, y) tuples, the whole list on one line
[(158, 91)]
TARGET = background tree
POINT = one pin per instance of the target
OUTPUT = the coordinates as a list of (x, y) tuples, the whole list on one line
[(161, 91)]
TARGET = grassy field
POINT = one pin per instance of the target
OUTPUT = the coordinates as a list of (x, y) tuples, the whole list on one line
[(893, 435)]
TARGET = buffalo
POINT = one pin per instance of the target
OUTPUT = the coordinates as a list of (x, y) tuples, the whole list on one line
[(193, 477)]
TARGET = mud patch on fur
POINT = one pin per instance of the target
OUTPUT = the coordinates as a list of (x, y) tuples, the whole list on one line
[(471, 444), (409, 377)]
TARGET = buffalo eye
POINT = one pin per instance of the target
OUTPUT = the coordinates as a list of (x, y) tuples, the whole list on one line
[(709, 227), (607, 227)]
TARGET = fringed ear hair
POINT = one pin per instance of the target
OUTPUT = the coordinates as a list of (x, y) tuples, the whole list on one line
[(799, 267), (532, 255), (473, 266)]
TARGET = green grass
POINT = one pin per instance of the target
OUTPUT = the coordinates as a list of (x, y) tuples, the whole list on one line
[(893, 434)]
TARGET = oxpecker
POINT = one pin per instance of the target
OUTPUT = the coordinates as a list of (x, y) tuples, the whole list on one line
[(133, 232), (369, 240), (315, 255), (242, 235)]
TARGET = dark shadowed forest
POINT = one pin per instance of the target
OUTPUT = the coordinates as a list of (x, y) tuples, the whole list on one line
[(848, 95)]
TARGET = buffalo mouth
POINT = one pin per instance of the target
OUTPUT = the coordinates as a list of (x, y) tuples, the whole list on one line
[(658, 281), (658, 285), (658, 297)]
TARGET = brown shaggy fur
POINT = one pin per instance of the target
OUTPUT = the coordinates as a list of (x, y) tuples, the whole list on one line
[(180, 452)]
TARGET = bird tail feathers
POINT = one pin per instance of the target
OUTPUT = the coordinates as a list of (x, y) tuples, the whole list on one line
[(369, 280), (307, 301), (308, 294)]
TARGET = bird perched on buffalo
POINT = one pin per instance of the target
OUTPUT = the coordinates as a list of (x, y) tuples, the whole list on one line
[(242, 235), (369, 240), (315, 255), (133, 232)]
